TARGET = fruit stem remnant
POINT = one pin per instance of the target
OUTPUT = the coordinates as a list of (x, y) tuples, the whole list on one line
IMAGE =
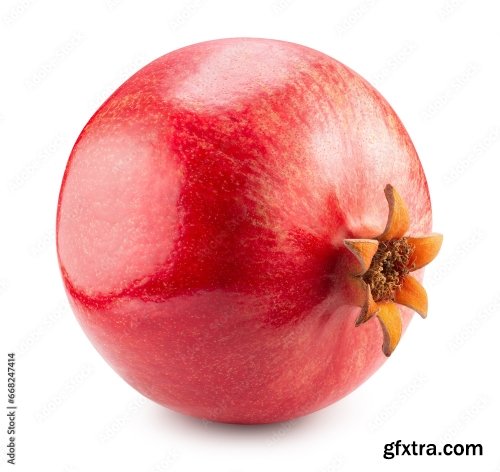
[(390, 265), (383, 271)]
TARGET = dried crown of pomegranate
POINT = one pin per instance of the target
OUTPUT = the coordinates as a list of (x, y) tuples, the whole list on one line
[(384, 267)]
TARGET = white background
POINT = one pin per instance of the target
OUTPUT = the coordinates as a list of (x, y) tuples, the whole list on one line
[(437, 62)]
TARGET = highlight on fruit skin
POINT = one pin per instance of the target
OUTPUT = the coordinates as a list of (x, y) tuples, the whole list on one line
[(383, 277)]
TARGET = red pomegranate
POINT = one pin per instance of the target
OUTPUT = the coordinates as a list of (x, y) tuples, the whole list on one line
[(224, 237)]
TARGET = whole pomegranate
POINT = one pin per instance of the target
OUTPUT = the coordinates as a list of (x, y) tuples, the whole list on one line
[(224, 237)]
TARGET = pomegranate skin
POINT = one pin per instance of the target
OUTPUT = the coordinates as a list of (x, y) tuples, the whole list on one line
[(201, 221)]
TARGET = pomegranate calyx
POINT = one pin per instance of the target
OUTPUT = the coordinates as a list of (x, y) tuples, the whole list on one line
[(412, 295), (369, 307), (392, 326), (425, 250), (364, 250), (383, 268), (388, 268), (398, 220)]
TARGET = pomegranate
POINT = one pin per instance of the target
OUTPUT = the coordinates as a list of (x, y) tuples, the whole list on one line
[(224, 237)]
